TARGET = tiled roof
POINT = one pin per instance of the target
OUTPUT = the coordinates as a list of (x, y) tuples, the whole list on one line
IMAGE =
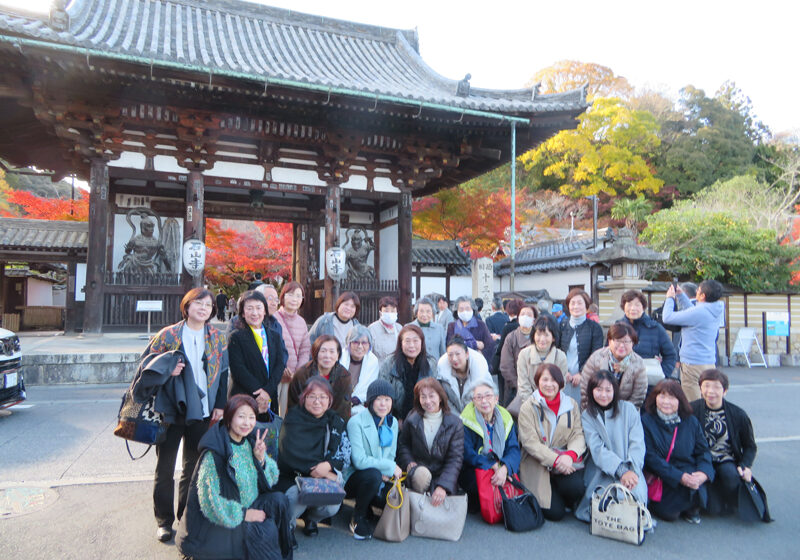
[(43, 235), (542, 257), (425, 252), (270, 43)]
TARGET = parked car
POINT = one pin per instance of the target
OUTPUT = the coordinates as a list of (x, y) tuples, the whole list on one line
[(12, 386)]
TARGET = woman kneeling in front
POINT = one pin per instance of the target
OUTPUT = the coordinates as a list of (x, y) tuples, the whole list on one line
[(373, 438), (670, 430), (551, 437), (490, 442), (431, 445), (615, 438), (231, 511)]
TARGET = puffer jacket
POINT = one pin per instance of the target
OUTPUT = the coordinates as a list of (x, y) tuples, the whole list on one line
[(446, 454)]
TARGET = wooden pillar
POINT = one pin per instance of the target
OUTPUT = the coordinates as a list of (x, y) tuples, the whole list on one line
[(2, 289), (333, 200), (194, 223), (404, 258), (70, 319), (300, 271), (96, 250), (419, 281)]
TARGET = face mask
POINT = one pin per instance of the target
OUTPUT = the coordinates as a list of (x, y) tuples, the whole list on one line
[(526, 322), (389, 318), (465, 316)]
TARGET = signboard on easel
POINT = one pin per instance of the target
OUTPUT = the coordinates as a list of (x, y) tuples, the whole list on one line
[(744, 343)]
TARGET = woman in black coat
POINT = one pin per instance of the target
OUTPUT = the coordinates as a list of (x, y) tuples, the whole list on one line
[(669, 417), (729, 434), (431, 443), (256, 372), (580, 337)]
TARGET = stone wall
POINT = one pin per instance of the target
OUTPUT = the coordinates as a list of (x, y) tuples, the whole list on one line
[(49, 369)]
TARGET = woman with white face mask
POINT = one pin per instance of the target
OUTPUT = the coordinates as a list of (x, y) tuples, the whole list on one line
[(384, 331), (515, 342), (471, 328)]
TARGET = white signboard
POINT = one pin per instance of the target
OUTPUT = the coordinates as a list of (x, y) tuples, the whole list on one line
[(154, 305), (336, 263), (194, 256)]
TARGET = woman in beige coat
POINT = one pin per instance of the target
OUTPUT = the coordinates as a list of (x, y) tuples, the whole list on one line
[(551, 437), (620, 359), (543, 350)]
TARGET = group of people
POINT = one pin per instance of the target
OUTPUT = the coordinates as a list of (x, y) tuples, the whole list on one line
[(360, 405)]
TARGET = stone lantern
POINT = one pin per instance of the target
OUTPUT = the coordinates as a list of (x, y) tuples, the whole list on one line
[(624, 257)]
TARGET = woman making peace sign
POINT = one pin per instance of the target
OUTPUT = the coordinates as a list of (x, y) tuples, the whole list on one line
[(231, 510)]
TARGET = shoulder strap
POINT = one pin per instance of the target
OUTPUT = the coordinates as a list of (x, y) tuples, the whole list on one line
[(672, 445)]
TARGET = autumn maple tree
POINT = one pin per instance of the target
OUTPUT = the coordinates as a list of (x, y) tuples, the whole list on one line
[(42, 208), (232, 254), (475, 214)]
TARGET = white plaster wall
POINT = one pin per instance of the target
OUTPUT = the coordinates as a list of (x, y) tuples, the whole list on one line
[(38, 292), (388, 249), (557, 282), (459, 286)]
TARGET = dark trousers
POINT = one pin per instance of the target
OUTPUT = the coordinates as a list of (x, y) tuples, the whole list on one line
[(272, 539), (167, 453), (363, 486), (565, 492), (723, 493)]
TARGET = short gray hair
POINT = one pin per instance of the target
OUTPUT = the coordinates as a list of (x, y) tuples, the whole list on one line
[(469, 300), (544, 305), (356, 333), (423, 301)]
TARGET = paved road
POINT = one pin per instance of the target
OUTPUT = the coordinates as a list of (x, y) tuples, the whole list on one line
[(82, 497)]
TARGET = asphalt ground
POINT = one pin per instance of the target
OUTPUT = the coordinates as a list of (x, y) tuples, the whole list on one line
[(69, 490)]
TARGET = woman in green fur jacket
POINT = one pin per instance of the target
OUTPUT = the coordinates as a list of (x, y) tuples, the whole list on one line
[(231, 511)]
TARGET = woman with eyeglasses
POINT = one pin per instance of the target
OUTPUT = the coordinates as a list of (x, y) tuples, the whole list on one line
[(191, 353), (295, 337), (460, 371), (620, 359), (313, 443), (490, 441), (362, 364), (325, 355)]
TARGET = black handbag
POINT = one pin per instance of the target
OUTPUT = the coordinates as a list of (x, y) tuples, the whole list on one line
[(521, 513), (753, 502)]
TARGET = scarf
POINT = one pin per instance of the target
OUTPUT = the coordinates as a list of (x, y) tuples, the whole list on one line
[(464, 331), (421, 324), (385, 437), (494, 434), (623, 364), (302, 440), (555, 404), (409, 375), (576, 322), (669, 419)]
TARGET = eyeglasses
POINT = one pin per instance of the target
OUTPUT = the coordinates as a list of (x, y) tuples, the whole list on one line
[(359, 342), (483, 397), (318, 398), (273, 299), (625, 341)]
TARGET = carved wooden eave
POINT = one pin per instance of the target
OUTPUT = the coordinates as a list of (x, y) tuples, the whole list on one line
[(195, 81)]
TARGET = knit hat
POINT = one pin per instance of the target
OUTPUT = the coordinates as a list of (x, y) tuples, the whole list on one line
[(379, 388)]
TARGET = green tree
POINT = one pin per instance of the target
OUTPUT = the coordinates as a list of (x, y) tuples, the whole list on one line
[(607, 153), (708, 142), (633, 210), (716, 245)]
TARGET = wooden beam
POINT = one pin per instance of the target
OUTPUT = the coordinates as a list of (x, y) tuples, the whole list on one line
[(96, 254), (404, 258), (194, 222)]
